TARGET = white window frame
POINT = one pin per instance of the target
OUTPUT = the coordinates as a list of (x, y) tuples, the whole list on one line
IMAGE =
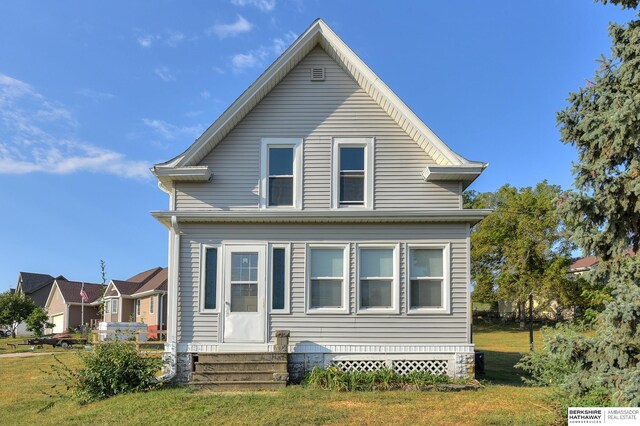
[(287, 278), (395, 282), (369, 172), (346, 281), (152, 307), (138, 310), (107, 306), (446, 280), (114, 306), (297, 145), (203, 277)]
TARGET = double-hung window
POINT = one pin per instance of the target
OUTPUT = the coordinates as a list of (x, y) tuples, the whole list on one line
[(106, 307), (279, 278), (328, 278), (352, 173), (137, 306), (281, 173), (209, 278), (152, 300), (377, 279), (114, 306), (428, 279)]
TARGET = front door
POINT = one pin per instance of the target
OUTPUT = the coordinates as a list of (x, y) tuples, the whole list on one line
[(244, 289)]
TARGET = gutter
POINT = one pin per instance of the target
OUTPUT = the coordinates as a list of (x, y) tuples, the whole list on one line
[(171, 347)]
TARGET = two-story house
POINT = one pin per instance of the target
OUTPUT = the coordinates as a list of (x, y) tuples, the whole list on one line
[(320, 208)]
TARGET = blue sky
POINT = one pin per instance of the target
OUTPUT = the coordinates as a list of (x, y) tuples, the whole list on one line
[(92, 94)]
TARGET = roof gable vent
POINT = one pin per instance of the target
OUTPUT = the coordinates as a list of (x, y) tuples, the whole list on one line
[(317, 74)]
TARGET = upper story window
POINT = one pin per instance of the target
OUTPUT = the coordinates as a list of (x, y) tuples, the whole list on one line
[(352, 173), (281, 173)]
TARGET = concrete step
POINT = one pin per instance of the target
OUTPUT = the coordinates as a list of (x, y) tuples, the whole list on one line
[(239, 386), (240, 376), (233, 366), (242, 356)]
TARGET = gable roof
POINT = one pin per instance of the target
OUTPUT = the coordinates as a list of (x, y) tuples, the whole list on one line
[(70, 291), (30, 281), (584, 263), (154, 279), (145, 276), (449, 165), (157, 283), (125, 288)]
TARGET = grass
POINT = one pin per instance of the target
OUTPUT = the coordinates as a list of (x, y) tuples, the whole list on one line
[(504, 400)]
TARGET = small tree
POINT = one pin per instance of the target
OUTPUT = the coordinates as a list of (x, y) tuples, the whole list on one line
[(38, 320), (14, 308)]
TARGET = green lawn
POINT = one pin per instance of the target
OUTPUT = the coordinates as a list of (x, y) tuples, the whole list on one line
[(504, 400), (6, 346)]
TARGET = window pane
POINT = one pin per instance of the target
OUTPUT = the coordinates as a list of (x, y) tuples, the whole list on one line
[(426, 263), (244, 266), (352, 158), (114, 306), (352, 187), (426, 294), (211, 279), (281, 191), (280, 161), (376, 262), (244, 297), (327, 262), (375, 293), (326, 293), (278, 278)]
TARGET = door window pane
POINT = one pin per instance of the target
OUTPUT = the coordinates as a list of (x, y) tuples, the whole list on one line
[(244, 297), (278, 278), (327, 262), (375, 293), (244, 266), (211, 278), (426, 293), (326, 293), (280, 161), (376, 262), (427, 263)]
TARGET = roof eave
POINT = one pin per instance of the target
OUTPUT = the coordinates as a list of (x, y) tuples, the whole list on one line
[(465, 173)]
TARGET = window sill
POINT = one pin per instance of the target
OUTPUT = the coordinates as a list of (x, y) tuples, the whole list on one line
[(378, 311), (429, 311), (209, 311), (321, 311)]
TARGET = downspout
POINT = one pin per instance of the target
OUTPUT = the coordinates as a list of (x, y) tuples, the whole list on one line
[(171, 347)]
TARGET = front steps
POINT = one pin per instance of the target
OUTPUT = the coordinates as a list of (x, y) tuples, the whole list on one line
[(240, 371)]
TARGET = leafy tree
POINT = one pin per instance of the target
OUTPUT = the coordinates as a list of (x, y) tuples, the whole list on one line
[(602, 121), (518, 249), (38, 320), (14, 308)]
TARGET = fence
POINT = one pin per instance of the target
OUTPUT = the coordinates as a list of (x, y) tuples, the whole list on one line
[(140, 338)]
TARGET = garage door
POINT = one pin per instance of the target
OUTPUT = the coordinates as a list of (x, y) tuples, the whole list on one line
[(58, 323)]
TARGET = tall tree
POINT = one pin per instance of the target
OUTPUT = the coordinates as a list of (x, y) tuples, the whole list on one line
[(518, 249), (602, 121), (14, 308)]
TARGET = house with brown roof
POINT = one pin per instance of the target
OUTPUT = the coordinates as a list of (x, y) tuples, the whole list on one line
[(66, 308), (141, 298)]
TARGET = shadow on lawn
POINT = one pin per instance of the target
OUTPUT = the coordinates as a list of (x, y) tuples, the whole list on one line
[(499, 368)]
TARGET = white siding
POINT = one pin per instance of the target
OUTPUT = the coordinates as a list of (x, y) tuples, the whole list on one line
[(330, 328), (317, 111)]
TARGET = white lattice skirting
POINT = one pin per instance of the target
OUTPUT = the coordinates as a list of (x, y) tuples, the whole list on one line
[(401, 367)]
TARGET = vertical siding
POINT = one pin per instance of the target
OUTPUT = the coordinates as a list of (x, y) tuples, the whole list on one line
[(317, 112), (331, 328)]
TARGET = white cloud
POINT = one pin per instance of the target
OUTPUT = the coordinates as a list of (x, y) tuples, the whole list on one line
[(95, 95), (263, 5), (259, 56), (164, 73), (240, 26), (174, 38), (171, 131), (37, 135), (205, 94), (146, 40), (218, 70)]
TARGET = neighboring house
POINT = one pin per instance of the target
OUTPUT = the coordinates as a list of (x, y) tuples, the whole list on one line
[(141, 298), (583, 264), (319, 206), (37, 287), (65, 306)]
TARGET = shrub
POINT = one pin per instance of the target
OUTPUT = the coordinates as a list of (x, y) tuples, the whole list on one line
[(38, 320), (111, 369), (332, 378)]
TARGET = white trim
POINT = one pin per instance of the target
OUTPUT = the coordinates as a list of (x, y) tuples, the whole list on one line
[(446, 279), (416, 350), (287, 278), (116, 310), (346, 281), (203, 276), (298, 147), (368, 143), (395, 282)]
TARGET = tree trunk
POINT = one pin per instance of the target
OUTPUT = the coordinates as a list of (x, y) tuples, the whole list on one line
[(521, 308)]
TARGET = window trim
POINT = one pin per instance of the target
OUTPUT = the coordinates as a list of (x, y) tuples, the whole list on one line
[(203, 277), (346, 283), (395, 279), (369, 150), (114, 306), (138, 310), (297, 144), (446, 279), (287, 278), (107, 306), (152, 307)]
